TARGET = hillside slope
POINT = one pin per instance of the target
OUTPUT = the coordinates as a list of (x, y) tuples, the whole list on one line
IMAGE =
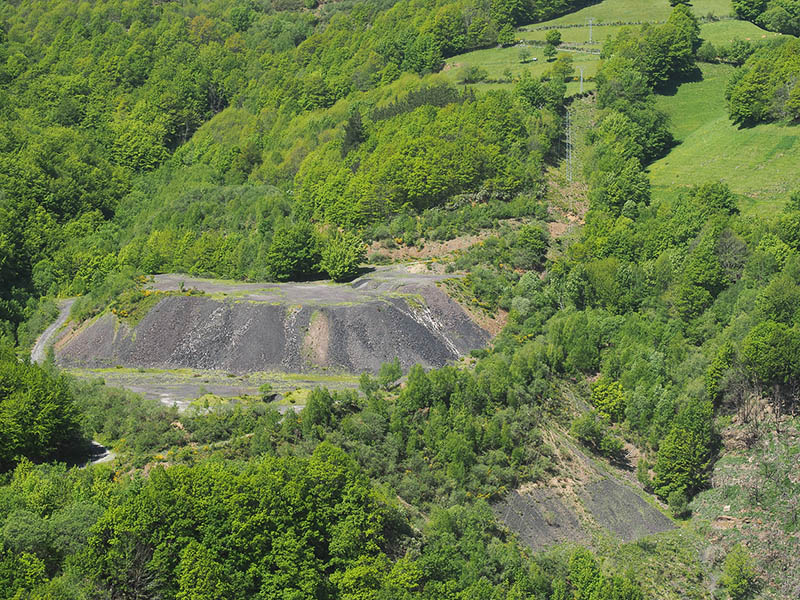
[(759, 163)]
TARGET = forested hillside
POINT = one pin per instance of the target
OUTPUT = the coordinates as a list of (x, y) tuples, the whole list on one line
[(648, 332), (96, 94)]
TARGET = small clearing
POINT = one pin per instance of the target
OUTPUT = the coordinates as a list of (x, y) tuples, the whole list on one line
[(429, 249), (181, 386)]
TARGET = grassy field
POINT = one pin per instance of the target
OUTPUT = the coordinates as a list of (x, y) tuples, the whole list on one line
[(610, 11), (724, 32), (759, 163), (497, 60), (718, 33), (575, 35)]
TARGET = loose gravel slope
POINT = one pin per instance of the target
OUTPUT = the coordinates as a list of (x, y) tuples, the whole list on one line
[(241, 328)]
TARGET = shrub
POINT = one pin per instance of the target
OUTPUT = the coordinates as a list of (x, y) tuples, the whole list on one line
[(707, 52), (607, 398), (678, 504), (739, 573), (341, 254), (684, 455), (294, 253), (472, 74), (592, 431), (553, 37), (643, 475), (266, 391), (389, 373)]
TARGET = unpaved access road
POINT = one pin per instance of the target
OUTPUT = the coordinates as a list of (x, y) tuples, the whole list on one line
[(38, 352), (99, 454)]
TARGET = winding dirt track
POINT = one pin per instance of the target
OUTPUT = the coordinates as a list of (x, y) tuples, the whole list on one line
[(38, 351), (100, 453)]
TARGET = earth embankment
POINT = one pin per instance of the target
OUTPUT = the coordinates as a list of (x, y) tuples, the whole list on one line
[(544, 517), (285, 327)]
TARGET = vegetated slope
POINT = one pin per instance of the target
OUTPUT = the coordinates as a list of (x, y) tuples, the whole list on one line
[(759, 162), (503, 66), (755, 501), (775, 15), (586, 503), (627, 11), (577, 33), (649, 297), (131, 82), (288, 327)]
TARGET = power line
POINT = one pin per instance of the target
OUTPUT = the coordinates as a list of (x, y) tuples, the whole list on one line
[(568, 149)]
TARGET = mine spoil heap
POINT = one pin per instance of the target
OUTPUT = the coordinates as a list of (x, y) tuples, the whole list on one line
[(287, 327)]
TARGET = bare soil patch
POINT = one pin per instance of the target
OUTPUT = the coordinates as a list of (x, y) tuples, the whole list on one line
[(317, 339), (428, 249), (540, 518), (583, 499)]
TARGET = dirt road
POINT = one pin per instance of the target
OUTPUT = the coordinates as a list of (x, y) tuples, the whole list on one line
[(38, 352), (99, 453)]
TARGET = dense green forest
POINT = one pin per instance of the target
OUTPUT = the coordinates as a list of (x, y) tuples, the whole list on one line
[(774, 15), (270, 140), (766, 89)]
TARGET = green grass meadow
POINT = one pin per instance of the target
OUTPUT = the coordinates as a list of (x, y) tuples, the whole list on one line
[(718, 33), (610, 11), (575, 35), (724, 32), (495, 61), (759, 163)]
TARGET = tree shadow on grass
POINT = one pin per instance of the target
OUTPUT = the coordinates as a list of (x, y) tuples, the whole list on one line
[(670, 88)]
